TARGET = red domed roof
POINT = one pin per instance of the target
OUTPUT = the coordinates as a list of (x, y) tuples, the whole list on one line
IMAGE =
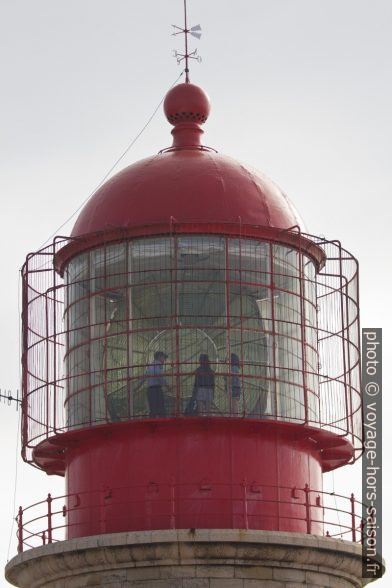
[(187, 182), (191, 186)]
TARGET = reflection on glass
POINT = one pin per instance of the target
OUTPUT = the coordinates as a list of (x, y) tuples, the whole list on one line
[(188, 296)]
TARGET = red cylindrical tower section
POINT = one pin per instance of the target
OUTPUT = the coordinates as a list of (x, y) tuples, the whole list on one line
[(222, 473), (185, 326)]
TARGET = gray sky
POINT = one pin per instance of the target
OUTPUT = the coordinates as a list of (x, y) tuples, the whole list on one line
[(300, 89)]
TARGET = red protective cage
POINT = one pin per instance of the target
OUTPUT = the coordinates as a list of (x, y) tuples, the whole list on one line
[(278, 322)]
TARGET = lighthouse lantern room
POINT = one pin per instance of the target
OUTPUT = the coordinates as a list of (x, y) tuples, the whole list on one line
[(190, 353)]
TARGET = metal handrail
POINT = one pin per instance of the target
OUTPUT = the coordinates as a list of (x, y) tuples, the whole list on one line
[(44, 527)]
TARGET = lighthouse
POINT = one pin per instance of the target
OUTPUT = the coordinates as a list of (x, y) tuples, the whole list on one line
[(191, 367)]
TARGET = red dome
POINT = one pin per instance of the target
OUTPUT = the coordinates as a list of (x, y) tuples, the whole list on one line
[(190, 185), (188, 182)]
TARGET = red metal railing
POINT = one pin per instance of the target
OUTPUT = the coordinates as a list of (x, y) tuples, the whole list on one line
[(322, 513), (85, 351)]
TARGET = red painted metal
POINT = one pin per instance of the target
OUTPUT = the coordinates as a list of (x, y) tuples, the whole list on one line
[(195, 453), (187, 182), (173, 452), (333, 514), (186, 103), (44, 291), (191, 185), (352, 500), (307, 507), (20, 530), (49, 500), (51, 454), (66, 249), (218, 252)]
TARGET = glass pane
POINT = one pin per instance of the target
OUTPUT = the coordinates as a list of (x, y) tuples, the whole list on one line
[(249, 261), (172, 305), (286, 268)]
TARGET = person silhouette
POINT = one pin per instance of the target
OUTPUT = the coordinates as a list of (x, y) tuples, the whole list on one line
[(204, 385), (233, 384), (156, 382)]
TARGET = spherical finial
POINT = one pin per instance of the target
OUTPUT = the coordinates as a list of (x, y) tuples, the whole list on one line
[(186, 103)]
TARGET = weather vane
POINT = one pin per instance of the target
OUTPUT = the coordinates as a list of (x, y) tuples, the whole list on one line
[(195, 32)]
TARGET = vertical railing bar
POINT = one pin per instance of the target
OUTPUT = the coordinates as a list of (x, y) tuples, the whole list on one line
[(307, 510), (303, 331), (176, 322), (49, 501), (228, 325), (359, 348), (316, 299), (172, 505), (54, 385), (348, 359), (273, 330), (353, 530), (129, 323), (46, 298), (106, 338), (343, 332), (20, 530), (93, 342), (241, 318), (246, 521)]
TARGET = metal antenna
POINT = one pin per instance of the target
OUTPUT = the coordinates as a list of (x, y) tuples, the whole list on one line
[(195, 32), (9, 398)]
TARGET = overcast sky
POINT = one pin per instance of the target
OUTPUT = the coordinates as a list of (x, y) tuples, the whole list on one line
[(300, 89)]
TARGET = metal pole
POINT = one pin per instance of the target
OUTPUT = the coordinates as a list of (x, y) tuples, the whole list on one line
[(228, 327), (20, 530), (186, 45), (246, 522), (49, 501), (302, 299), (307, 509), (25, 357), (172, 505), (352, 500)]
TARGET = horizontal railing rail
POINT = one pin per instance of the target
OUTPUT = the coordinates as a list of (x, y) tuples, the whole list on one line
[(322, 513)]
